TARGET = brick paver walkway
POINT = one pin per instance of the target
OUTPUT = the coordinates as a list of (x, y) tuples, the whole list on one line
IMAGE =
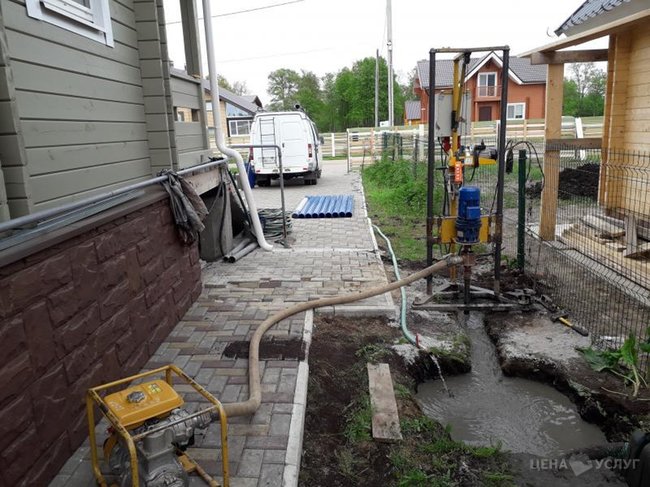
[(328, 257)]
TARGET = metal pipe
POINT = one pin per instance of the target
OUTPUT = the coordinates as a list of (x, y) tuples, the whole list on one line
[(521, 227), (254, 386), (339, 207), (237, 248), (330, 207), (300, 207), (281, 167), (52, 212), (313, 203), (498, 228), (466, 49), (431, 163), (219, 136), (337, 213), (234, 257), (349, 207), (317, 210)]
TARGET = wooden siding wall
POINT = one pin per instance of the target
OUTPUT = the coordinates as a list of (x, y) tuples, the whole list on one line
[(152, 59), (80, 103), (15, 187), (191, 134), (627, 119)]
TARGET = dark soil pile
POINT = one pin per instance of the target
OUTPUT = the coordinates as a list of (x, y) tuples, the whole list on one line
[(581, 181)]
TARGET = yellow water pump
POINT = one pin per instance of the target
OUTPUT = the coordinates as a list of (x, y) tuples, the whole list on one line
[(150, 431)]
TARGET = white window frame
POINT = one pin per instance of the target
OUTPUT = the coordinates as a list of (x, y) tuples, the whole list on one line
[(235, 120), (93, 22), (515, 105), (486, 74)]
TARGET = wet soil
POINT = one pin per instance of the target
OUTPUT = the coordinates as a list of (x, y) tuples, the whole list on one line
[(485, 407), (601, 398), (338, 388), (270, 349)]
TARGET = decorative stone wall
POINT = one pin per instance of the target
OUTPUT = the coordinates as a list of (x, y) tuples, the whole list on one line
[(82, 312)]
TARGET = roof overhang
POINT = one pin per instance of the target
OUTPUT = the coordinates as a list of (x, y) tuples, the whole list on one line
[(591, 34), (494, 57)]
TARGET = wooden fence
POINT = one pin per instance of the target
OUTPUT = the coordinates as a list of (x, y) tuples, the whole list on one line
[(364, 145)]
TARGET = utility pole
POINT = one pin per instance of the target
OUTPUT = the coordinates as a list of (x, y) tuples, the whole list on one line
[(377, 90), (391, 84)]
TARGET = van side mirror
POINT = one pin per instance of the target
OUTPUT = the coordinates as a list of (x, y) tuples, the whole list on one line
[(321, 139)]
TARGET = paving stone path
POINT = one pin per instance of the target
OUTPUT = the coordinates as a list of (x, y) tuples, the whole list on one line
[(327, 257)]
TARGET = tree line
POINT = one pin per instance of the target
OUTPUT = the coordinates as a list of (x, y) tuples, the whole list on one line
[(337, 101), (346, 99)]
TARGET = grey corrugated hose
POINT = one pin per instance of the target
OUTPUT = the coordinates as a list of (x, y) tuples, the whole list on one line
[(187, 206)]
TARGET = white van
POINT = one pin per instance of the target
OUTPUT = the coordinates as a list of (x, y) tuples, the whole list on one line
[(298, 138)]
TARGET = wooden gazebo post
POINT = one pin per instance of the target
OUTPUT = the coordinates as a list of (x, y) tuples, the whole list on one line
[(553, 131)]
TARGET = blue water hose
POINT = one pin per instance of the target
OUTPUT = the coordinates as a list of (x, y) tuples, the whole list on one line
[(405, 331)]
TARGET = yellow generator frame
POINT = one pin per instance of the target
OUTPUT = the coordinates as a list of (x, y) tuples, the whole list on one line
[(93, 398)]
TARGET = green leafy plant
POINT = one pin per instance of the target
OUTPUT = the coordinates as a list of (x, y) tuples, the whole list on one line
[(359, 421), (622, 362)]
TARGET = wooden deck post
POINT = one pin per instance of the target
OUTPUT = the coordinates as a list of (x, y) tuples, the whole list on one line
[(554, 97)]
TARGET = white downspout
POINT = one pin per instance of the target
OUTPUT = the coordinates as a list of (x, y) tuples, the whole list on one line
[(219, 136)]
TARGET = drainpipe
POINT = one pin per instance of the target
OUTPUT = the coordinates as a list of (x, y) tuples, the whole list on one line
[(219, 136)]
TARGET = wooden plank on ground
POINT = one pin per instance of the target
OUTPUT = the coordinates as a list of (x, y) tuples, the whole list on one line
[(631, 237), (605, 228), (638, 252), (385, 419), (635, 271)]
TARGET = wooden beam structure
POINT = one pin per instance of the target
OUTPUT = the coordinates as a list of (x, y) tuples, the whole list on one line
[(577, 144), (554, 97), (563, 57)]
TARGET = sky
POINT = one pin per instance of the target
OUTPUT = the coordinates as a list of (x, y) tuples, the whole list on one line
[(326, 35)]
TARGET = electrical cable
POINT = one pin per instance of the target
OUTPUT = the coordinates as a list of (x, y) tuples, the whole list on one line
[(228, 14)]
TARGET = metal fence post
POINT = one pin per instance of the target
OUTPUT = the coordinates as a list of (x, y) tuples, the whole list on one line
[(333, 151), (521, 221)]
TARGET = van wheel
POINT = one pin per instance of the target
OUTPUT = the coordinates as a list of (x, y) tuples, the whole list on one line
[(264, 183)]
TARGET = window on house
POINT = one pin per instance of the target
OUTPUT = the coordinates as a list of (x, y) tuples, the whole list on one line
[(487, 84), (208, 106), (516, 111), (89, 18), (233, 112), (239, 127)]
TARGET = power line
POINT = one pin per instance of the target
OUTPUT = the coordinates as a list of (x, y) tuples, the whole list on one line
[(273, 56), (228, 14)]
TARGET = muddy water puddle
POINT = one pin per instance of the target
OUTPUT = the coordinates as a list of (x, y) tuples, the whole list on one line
[(487, 407)]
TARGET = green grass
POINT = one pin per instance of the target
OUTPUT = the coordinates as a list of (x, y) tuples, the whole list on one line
[(434, 455), (397, 195), (372, 353), (359, 421)]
